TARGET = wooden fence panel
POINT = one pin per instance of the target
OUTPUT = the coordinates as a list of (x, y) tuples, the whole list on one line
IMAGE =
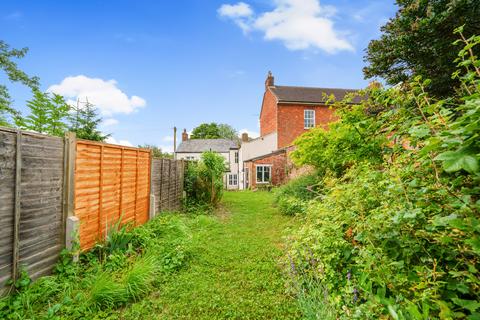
[(111, 183), (31, 202), (7, 203), (167, 184)]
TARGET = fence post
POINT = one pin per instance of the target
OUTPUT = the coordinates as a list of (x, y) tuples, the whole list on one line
[(151, 213), (70, 143), (161, 187), (16, 226)]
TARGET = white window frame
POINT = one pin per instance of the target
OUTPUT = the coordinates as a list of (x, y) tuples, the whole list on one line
[(233, 179), (308, 118), (236, 156), (264, 166)]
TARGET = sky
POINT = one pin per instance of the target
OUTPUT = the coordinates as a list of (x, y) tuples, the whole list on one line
[(151, 65)]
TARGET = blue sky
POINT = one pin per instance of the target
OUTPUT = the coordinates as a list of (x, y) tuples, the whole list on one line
[(152, 65)]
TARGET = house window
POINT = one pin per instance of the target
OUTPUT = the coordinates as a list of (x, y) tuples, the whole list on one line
[(308, 119), (232, 179), (236, 157), (190, 158), (263, 174)]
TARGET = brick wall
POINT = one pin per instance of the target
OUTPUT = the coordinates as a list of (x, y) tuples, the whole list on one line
[(278, 161), (268, 114), (290, 121)]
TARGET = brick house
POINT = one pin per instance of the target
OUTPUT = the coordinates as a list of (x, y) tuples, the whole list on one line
[(286, 113)]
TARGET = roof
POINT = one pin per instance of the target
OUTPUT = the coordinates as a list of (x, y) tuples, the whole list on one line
[(202, 145), (310, 95), (279, 151)]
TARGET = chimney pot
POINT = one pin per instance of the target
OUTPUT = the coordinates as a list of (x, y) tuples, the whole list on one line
[(184, 135), (269, 82)]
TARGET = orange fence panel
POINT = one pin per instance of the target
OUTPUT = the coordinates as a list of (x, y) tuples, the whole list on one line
[(111, 183)]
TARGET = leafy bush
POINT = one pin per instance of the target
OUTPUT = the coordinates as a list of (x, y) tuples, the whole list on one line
[(305, 187), (396, 234), (204, 180), (292, 206)]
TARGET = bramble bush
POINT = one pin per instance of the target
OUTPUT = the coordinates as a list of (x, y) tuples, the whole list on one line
[(396, 233)]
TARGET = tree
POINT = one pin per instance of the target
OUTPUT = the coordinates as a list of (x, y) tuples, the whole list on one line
[(48, 114), (214, 131), (419, 41), (14, 75), (227, 132), (84, 121), (157, 151)]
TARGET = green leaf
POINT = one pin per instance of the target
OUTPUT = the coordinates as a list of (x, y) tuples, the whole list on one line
[(470, 305), (457, 160)]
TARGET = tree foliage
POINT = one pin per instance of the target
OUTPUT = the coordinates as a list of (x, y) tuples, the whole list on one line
[(84, 121), (214, 131), (204, 179), (419, 41), (395, 235), (157, 151), (14, 74), (48, 114)]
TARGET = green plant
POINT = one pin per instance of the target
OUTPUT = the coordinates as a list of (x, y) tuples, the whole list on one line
[(14, 74), (418, 41), (291, 205), (204, 180), (84, 121), (396, 234), (48, 114)]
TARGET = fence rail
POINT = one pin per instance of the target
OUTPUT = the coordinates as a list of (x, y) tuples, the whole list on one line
[(45, 180)]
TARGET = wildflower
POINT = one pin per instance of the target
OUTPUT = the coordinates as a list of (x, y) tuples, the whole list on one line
[(355, 295), (349, 275)]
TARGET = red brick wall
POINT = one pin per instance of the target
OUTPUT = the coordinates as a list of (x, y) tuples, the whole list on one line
[(278, 171), (290, 121), (268, 114)]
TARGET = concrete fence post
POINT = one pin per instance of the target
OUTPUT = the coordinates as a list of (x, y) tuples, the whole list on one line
[(72, 236)]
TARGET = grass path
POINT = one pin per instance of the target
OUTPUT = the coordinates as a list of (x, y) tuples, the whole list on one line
[(234, 271)]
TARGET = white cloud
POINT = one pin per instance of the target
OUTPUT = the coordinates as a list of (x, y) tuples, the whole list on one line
[(168, 138), (251, 134), (112, 140), (238, 10), (240, 13), (299, 24), (104, 94), (109, 122)]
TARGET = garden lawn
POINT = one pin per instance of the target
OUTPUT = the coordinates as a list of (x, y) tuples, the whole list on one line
[(234, 270)]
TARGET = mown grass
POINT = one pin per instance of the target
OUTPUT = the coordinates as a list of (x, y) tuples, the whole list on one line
[(222, 266)]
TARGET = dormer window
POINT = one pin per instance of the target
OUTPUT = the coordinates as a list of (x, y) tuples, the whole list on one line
[(308, 119)]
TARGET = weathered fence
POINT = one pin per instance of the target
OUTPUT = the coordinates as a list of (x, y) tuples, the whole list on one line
[(167, 183), (112, 184), (31, 195), (45, 181)]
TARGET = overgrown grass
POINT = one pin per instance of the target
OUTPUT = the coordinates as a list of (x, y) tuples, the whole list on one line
[(175, 267), (125, 269)]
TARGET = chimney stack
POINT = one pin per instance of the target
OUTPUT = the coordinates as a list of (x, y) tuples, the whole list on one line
[(269, 82), (184, 135), (244, 137)]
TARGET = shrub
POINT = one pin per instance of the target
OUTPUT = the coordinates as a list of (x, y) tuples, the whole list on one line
[(305, 187), (204, 180), (292, 206), (396, 234)]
